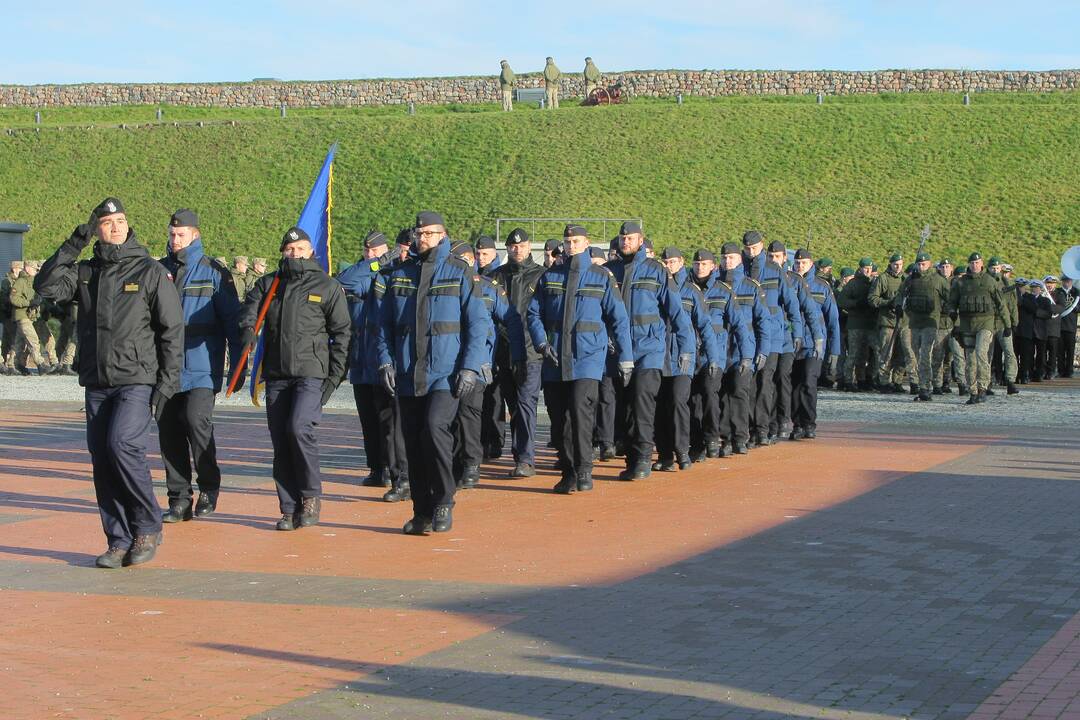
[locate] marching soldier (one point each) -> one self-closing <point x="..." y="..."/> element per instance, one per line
<point x="507" y="81"/>
<point x="306" y="337"/>
<point x="1068" y="327"/>
<point x="1011" y="318"/>
<point x="432" y="348"/>
<point x="950" y="347"/>
<point x="808" y="364"/>
<point x="240" y="272"/>
<point x="551" y="84"/>
<point x="883" y="298"/>
<point x="924" y="297"/>
<point x="211" y="311"/>
<point x="861" y="327"/>
<point x="654" y="307"/>
<point x="26" y="310"/>
<point x="10" y="329"/>
<point x="67" y="341"/>
<point x="573" y="315"/>
<point x="976" y="299"/>
<point x="132" y="332"/>
<point x="518" y="277"/>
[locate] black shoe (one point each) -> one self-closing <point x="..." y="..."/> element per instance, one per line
<point x="937" y="390"/>
<point x="111" y="558"/>
<point x="620" y="448"/>
<point x="914" y="390"/>
<point x="470" y="477"/>
<point x="25" y="371"/>
<point x="962" y="390"/>
<point x="664" y="466"/>
<point x="770" y="439"/>
<point x="522" y="470"/>
<point x="309" y="511"/>
<point x="492" y="453"/>
<point x="287" y="522"/>
<point x="981" y="397"/>
<point x="698" y="455"/>
<point x="712" y="449"/>
<point x="207" y="503"/>
<point x="796" y="434"/>
<point x="566" y="485"/>
<point x="143" y="549"/>
<point x="684" y="462"/>
<point x="741" y="448"/>
<point x="898" y="388"/>
<point x="417" y="525"/>
<point x="638" y="472"/>
<point x="925" y="396"/>
<point x="584" y="481"/>
<point x="809" y="433"/>
<point x="1012" y="390"/>
<point x="725" y="450"/>
<point x="400" y="491"/>
<point x="178" y="511"/>
<point x="377" y="478"/>
<point x="444" y="518"/>
<point x="973" y="400"/>
<point x="946" y="389"/>
<point x="917" y="398"/>
<point x="607" y="452"/>
<point x="990" y="392"/>
<point x="67" y="370"/>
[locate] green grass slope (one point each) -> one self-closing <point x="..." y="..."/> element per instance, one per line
<point x="863" y="174"/>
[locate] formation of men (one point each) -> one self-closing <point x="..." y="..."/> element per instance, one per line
<point x="551" y="76"/>
<point x="29" y="345"/>
<point x="663" y="362"/>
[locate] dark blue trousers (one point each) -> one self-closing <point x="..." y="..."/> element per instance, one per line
<point x="293" y="411"/>
<point x="429" y="444"/>
<point x="522" y="401"/>
<point x="117" y="431"/>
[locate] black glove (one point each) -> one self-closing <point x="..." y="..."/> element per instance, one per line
<point x="248" y="338"/>
<point x="744" y="365"/>
<point x="521" y="373"/>
<point x="157" y="404"/>
<point x="466" y="381"/>
<point x="81" y="235"/>
<point x="686" y="360"/>
<point x="713" y="370"/>
<point x="1007" y="332"/>
<point x="36" y="302"/>
<point x="328" y="388"/>
<point x="626" y="372"/>
<point x="759" y="361"/>
<point x="240" y="378"/>
<point x="549" y="354"/>
<point x="388" y="379"/>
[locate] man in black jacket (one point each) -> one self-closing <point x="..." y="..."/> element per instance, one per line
<point x="305" y="355"/>
<point x="131" y="334"/>
<point x="518" y="277"/>
<point x="1068" y="294"/>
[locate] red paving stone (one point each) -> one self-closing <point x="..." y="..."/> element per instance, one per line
<point x="72" y="656"/>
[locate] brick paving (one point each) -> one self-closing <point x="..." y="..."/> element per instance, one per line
<point x="879" y="572"/>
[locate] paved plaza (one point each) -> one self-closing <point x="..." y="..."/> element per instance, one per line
<point x="928" y="569"/>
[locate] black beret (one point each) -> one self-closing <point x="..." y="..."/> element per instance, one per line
<point x="573" y="230"/>
<point x="751" y="237"/>
<point x="803" y="254"/>
<point x="551" y="245"/>
<point x="374" y="239"/>
<point x="730" y="248"/>
<point x="109" y="206"/>
<point x="517" y="235"/>
<point x="777" y="246"/>
<point x="647" y="244"/>
<point x="423" y="219"/>
<point x="184" y="218"/>
<point x="672" y="252"/>
<point x="460" y="248"/>
<point x="597" y="253"/>
<point x="704" y="255"/>
<point x="407" y="236"/>
<point x="485" y="242"/>
<point x="629" y="227"/>
<point x="293" y="234"/>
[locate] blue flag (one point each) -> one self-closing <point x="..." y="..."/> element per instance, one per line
<point x="315" y="221"/>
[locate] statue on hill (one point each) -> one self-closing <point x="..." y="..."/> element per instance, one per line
<point x="507" y="80"/>
<point x="591" y="75"/>
<point x="551" y="84"/>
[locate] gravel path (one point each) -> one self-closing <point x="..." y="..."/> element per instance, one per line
<point x="1055" y="403"/>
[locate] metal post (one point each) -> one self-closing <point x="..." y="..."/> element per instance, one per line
<point x="412" y="108"/>
<point x="37" y="117"/>
<point x="967" y="99"/>
<point x="820" y="99"/>
<point x="282" y="109"/>
<point x="678" y="99"/>
<point x="541" y="103"/>
<point x="159" y="114"/>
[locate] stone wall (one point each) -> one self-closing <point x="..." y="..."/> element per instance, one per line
<point x="641" y="83"/>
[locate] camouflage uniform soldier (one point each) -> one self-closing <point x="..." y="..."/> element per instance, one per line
<point x="976" y="298"/>
<point x="507" y="80"/>
<point x="240" y="274"/>
<point x="861" y="324"/>
<point x="258" y="269"/>
<point x="66" y="342"/>
<point x="591" y="75"/>
<point x="883" y="296"/>
<point x="7" y="349"/>
<point x="923" y="297"/>
<point x="25" y="303"/>
<point x="950" y="350"/>
<point x="1010" y="320"/>
<point x="41" y="324"/>
<point x="551" y="84"/>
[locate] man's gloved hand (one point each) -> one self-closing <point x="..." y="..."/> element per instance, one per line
<point x="714" y="370"/>
<point x="487" y="375"/>
<point x="759" y="362"/>
<point x="819" y="348"/>
<point x="80" y="237"/>
<point x="521" y="372"/>
<point x="388" y="379"/>
<point x="248" y="338"/>
<point x="328" y="388"/>
<point x="798" y="343"/>
<point x="549" y="354"/>
<point x="686" y="361"/>
<point x="157" y="404"/>
<point x="744" y="365"/>
<point x="466" y="381"/>
<point x="832" y="367"/>
<point x="1007" y="332"/>
<point x="36" y="301"/>
<point x="626" y="372"/>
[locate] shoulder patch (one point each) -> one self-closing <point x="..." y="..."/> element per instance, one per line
<point x="374" y="265"/>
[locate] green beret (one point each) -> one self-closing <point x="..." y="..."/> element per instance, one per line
<point x="922" y="257"/>
<point x="944" y="261"/>
<point x="994" y="260"/>
<point x="974" y="256"/>
<point x="895" y="257"/>
<point x="846" y="272"/>
<point x="824" y="262"/>
<point x="866" y="262"/>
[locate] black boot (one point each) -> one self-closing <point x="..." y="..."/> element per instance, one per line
<point x="377" y="478"/>
<point x="725" y="450"/>
<point x="607" y="452"/>
<point x="988" y="391"/>
<point x="143" y="549"/>
<point x="400" y="491"/>
<point x="417" y="525"/>
<point x="584" y="481"/>
<point x="566" y="485"/>
<point x="1013" y="390"/>
<point x="309" y="511"/>
<point x="444" y="518"/>
<point x="796" y="434"/>
<point x="287" y="521"/>
<point x="524" y="470"/>
<point x="684" y="462"/>
<point x="470" y="477"/>
<point x="207" y="503"/>
<point x="637" y="472"/>
<point x="712" y="449"/>
<point x="973" y="400"/>
<point x="664" y="465"/>
<point x="179" y="510"/>
<point x="111" y="558"/>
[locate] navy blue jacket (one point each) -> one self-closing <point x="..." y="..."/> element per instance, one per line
<point x="211" y="316"/>
<point x="708" y="348"/>
<point x="505" y="320"/>
<point x="821" y="295"/>
<point x="578" y="331"/>
<point x="364" y="294"/>
<point x="750" y="304"/>
<point x="432" y="321"/>
<point x="780" y="299"/>
<point x="654" y="305"/>
<point x="813" y="325"/>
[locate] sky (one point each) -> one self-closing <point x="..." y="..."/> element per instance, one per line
<point x="200" y="41"/>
